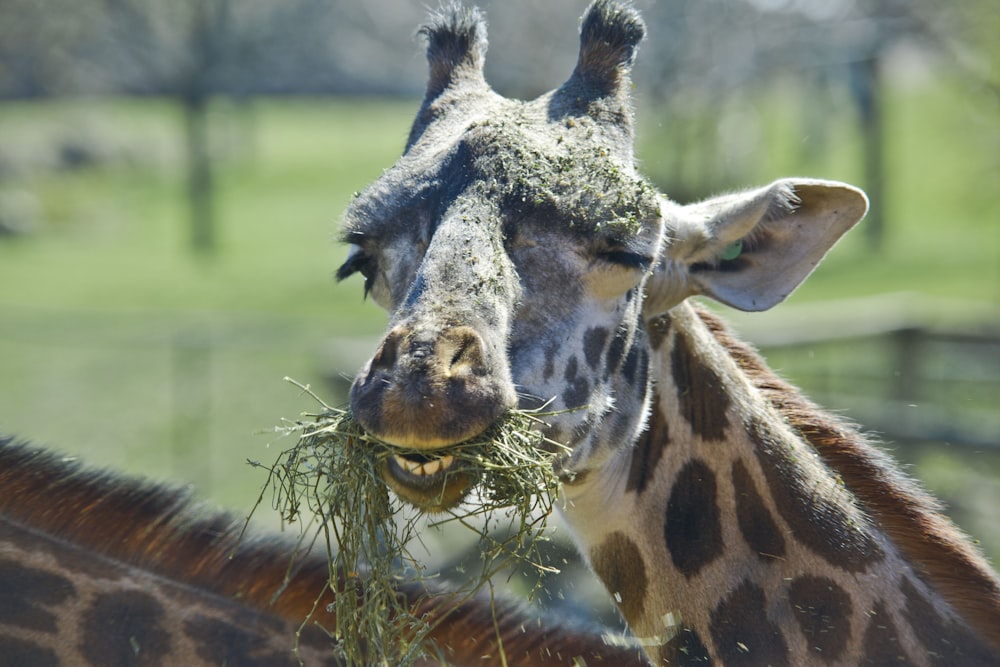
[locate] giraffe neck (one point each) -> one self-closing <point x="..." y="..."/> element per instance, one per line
<point x="104" y="570"/>
<point x="97" y="569"/>
<point x="68" y="606"/>
<point x="746" y="527"/>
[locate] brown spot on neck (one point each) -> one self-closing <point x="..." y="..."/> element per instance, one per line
<point x="742" y="632"/>
<point x="754" y="519"/>
<point x="701" y="396"/>
<point x="649" y="449"/>
<point x="593" y="345"/>
<point x="618" y="562"/>
<point x="881" y="647"/>
<point x="693" y="524"/>
<point x="25" y="592"/>
<point x="823" y="610"/>
<point x="658" y="329"/>
<point x="685" y="649"/>
<point x="133" y="614"/>
<point x="824" y="523"/>
<point x="946" y="642"/>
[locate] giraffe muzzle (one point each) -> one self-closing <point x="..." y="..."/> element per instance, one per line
<point x="428" y="392"/>
<point x="425" y="390"/>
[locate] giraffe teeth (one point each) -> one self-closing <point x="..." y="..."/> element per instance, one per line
<point x="424" y="469"/>
<point x="432" y="467"/>
<point x="406" y="464"/>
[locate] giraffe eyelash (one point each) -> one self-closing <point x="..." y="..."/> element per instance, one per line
<point x="359" y="262"/>
<point x="632" y="260"/>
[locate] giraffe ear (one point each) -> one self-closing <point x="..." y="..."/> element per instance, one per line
<point x="456" y="50"/>
<point x="456" y="46"/>
<point x="750" y="250"/>
<point x="609" y="38"/>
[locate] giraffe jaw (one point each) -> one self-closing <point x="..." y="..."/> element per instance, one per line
<point x="432" y="483"/>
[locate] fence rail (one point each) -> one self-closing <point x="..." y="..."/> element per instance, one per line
<point x="907" y="370"/>
<point x="182" y="386"/>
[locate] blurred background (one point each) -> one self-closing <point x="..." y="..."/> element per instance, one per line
<point x="172" y="175"/>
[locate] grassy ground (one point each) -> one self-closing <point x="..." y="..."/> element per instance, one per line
<point x="117" y="344"/>
<point x="286" y="173"/>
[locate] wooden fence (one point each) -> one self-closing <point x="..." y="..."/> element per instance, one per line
<point x="906" y="369"/>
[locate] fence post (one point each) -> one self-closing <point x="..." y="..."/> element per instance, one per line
<point x="907" y="374"/>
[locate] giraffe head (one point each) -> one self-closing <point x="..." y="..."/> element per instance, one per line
<point x="514" y="245"/>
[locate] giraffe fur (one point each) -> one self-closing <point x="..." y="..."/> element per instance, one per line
<point x="101" y="569"/>
<point x="731" y="521"/>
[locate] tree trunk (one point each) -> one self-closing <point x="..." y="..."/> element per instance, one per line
<point x="200" y="183"/>
<point x="868" y="89"/>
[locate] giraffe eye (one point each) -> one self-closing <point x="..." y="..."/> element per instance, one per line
<point x="616" y="270"/>
<point x="627" y="259"/>
<point x="731" y="251"/>
<point x="358" y="261"/>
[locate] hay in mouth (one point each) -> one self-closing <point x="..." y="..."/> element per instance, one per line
<point x="334" y="482"/>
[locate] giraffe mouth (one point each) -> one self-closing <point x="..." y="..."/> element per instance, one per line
<point x="422" y="465"/>
<point x="430" y="482"/>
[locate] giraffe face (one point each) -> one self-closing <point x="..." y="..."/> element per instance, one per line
<point x="518" y="252"/>
<point x="510" y="244"/>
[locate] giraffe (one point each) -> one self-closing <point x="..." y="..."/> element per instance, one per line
<point x="525" y="261"/>
<point x="105" y="570"/>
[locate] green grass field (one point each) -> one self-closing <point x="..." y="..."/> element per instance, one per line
<point x="99" y="307"/>
<point x="116" y="344"/>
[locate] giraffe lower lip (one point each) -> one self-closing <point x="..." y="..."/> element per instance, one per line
<point x="429" y="483"/>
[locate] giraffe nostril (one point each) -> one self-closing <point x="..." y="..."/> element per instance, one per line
<point x="461" y="351"/>
<point x="466" y="349"/>
<point x="421" y="349"/>
<point x="385" y="356"/>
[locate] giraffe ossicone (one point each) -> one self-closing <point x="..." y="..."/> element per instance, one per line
<point x="524" y="260"/>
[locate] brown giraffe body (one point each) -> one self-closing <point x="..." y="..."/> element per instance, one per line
<point x="105" y="571"/>
<point x="524" y="260"/>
